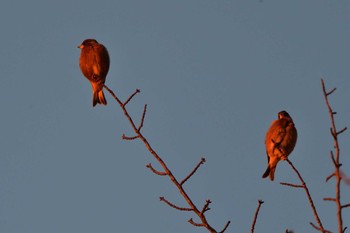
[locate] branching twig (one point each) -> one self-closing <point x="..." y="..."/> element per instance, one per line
<point x="137" y="131"/>
<point x="335" y="159"/>
<point x="308" y="195"/>
<point x="256" y="216"/>
<point x="206" y="206"/>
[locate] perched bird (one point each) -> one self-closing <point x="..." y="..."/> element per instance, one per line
<point x="279" y="142"/>
<point x="94" y="64"/>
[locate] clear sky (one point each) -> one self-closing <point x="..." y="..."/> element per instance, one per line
<point x="214" y="74"/>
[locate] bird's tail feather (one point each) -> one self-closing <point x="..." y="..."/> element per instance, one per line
<point x="99" y="98"/>
<point x="269" y="172"/>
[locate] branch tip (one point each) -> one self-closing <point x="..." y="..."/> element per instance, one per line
<point x="193" y="171"/>
<point x="155" y="171"/>
<point x="173" y="205"/>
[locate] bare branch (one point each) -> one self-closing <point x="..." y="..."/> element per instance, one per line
<point x="129" y="138"/>
<point x="308" y="195"/>
<point x="336" y="158"/>
<point x="155" y="171"/>
<point x="206" y="207"/>
<point x="143" y="118"/>
<point x="225" y="227"/>
<point x="345" y="206"/>
<point x="319" y="229"/>
<point x="333" y="159"/>
<point x="330" y="176"/>
<point x="174" y="206"/>
<point x="130" y="97"/>
<point x="329" y="199"/>
<point x="167" y="171"/>
<point x="256" y="215"/>
<point x="195" y="224"/>
<point x="193" y="171"/>
<point x="292" y="185"/>
<point x="342" y="131"/>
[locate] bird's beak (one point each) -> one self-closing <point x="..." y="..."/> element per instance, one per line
<point x="81" y="46"/>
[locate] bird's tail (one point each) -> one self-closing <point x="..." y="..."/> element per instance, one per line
<point x="98" y="98"/>
<point x="269" y="172"/>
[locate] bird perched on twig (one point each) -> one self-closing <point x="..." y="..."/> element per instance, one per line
<point x="280" y="140"/>
<point x="94" y="64"/>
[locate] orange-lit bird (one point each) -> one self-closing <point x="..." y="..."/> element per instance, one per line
<point x="279" y="142"/>
<point x="94" y="64"/>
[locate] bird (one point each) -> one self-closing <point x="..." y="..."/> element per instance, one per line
<point x="280" y="141"/>
<point x="94" y="64"/>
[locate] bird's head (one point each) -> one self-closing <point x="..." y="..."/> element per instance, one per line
<point x="285" y="115"/>
<point x="88" y="42"/>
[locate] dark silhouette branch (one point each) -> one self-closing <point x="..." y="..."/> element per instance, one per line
<point x="256" y="215"/>
<point x="192" y="207"/>
<point x="335" y="159"/>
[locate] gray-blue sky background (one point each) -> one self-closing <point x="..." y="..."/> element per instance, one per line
<point x="214" y="75"/>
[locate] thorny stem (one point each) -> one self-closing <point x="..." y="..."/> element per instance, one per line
<point x="136" y="129"/>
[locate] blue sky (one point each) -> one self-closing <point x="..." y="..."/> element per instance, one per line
<point x="214" y="75"/>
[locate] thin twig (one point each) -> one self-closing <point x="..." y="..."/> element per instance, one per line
<point x="130" y="97"/>
<point x="319" y="229"/>
<point x="292" y="185"/>
<point x="129" y="138"/>
<point x="308" y="195"/>
<point x="193" y="171"/>
<point x="143" y="117"/>
<point x="173" y="205"/>
<point x="256" y="215"/>
<point x="155" y="171"/>
<point x="330" y="176"/>
<point x="225" y="227"/>
<point x="329" y="199"/>
<point x="206" y="206"/>
<point x="195" y="224"/>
